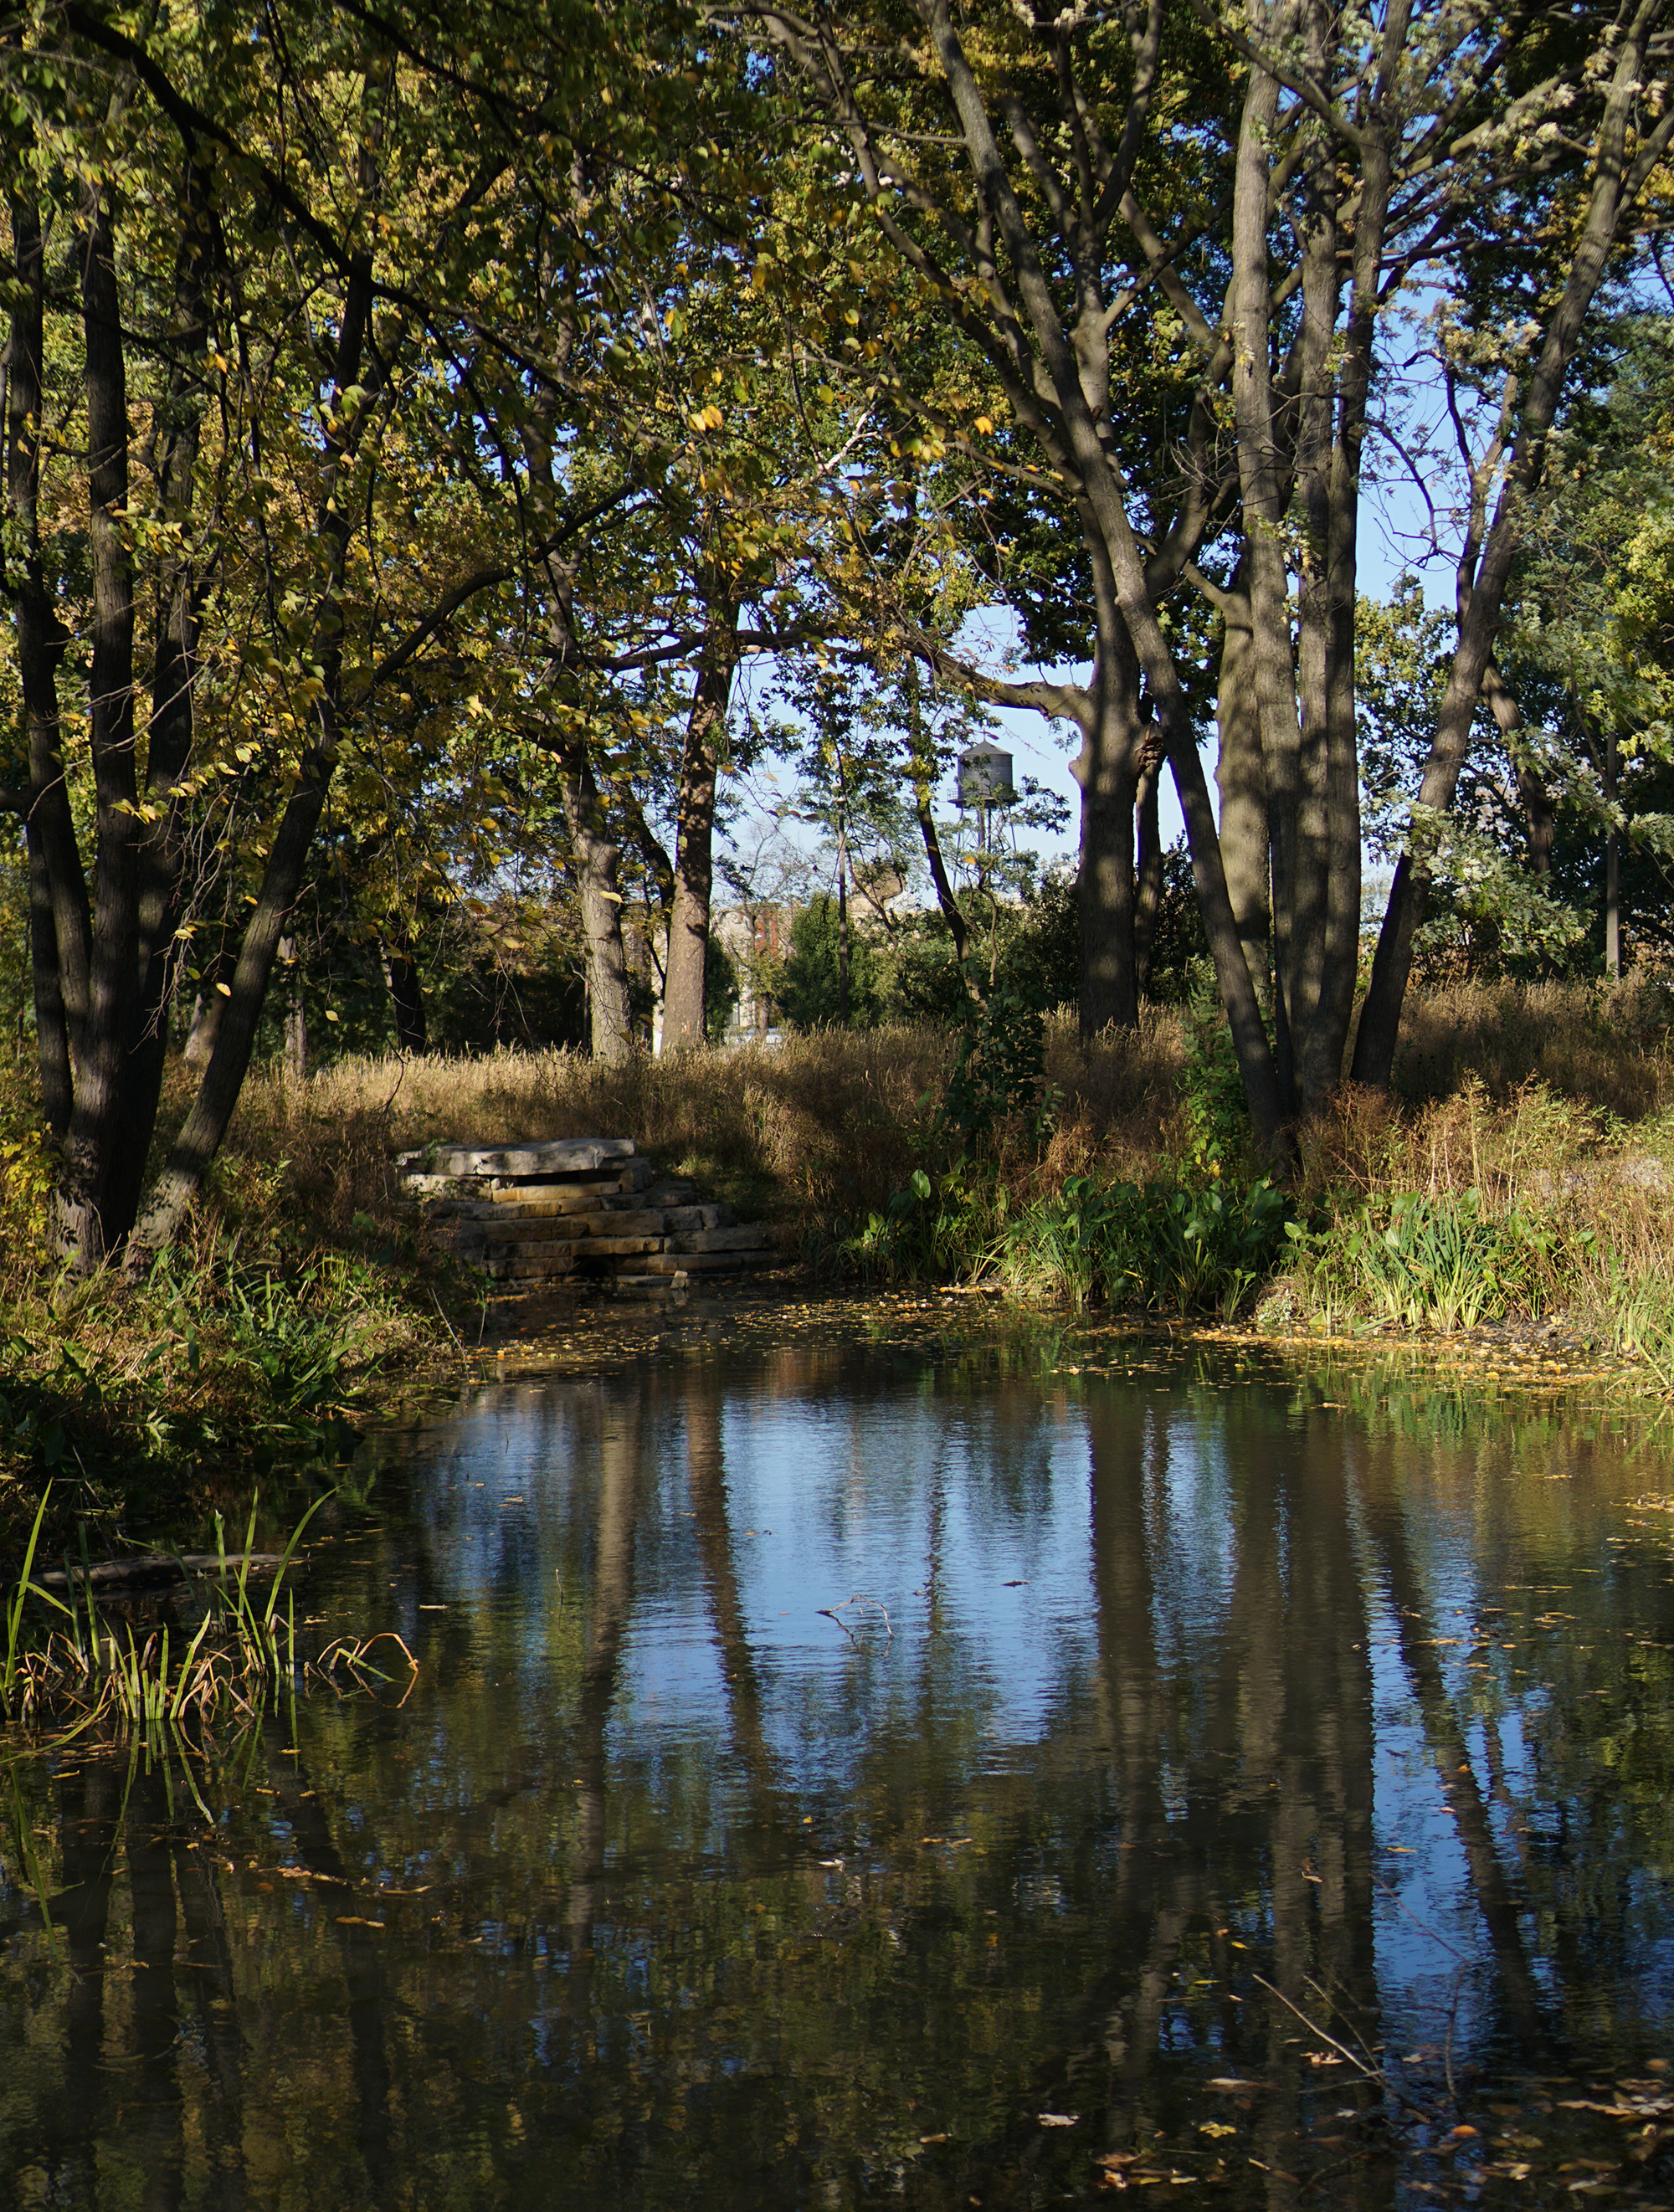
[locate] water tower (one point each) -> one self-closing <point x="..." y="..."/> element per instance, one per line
<point x="985" y="784"/>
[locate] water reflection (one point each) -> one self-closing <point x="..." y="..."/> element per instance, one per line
<point x="838" y="1772"/>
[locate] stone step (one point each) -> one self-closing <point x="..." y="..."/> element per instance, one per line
<point x="506" y="1227"/>
<point x="562" y="1155"/>
<point x="514" y="1208"/>
<point x="577" y="1191"/>
<point x="672" y="1190"/>
<point x="590" y="1256"/>
<point x="743" y="1236"/>
<point x="682" y="1218"/>
<point x="707" y="1263"/>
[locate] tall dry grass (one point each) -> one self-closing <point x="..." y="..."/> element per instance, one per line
<point x="1605" y="1046"/>
<point x="1588" y="1190"/>
<point x="820" y="1127"/>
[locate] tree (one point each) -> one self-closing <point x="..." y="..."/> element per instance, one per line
<point x="1246" y="193"/>
<point x="249" y="301"/>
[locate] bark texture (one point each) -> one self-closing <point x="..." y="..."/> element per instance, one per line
<point x="684" y="987"/>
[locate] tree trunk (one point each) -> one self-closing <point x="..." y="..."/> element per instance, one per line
<point x="921" y="774"/>
<point x="160" y="855"/>
<point x="296" y="1047"/>
<point x="1612" y="871"/>
<point x="1148" y="895"/>
<point x="406" y="999"/>
<point x="1243" y="785"/>
<point x="597" y="857"/>
<point x="206" y="1125"/>
<point x="1272" y="670"/>
<point x="843" y="922"/>
<point x="1107" y="770"/>
<point x="60" y="950"/>
<point x="684" y="1006"/>
<point x="81" y="1233"/>
<point x="597" y="868"/>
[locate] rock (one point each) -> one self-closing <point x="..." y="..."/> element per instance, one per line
<point x="564" y="1156"/>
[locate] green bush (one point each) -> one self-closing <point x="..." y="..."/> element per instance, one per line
<point x="1443" y="1263"/>
<point x="1155" y="1246"/>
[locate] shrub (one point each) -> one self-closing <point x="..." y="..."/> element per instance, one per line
<point x="1159" y="1248"/>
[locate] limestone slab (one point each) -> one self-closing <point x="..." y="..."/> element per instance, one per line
<point x="746" y="1237"/>
<point x="560" y="1156"/>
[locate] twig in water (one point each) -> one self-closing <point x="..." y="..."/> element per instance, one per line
<point x="448" y="1325"/>
<point x="1447" y="2048"/>
<point x="1370" y="2073"/>
<point x="836" y="1612"/>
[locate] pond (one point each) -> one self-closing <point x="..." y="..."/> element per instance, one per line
<point x="848" y="1764"/>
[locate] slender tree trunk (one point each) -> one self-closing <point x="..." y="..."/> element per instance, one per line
<point x="82" y="1234"/>
<point x="1107" y="769"/>
<point x="162" y="853"/>
<point x="685" y="1005"/>
<point x="282" y="879"/>
<point x="60" y="947"/>
<point x="1148" y="895"/>
<point x="1317" y="1043"/>
<point x="921" y="771"/>
<point x="843" y="920"/>
<point x="1272" y="668"/>
<point x="1243" y="784"/>
<point x="597" y="857"/>
<point x="1539" y="813"/>
<point x="598" y="866"/>
<point x="406" y="999"/>
<point x="296" y="1051"/>
<point x="1612" y="871"/>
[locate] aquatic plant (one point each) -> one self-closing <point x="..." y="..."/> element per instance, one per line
<point x="1156" y="1247"/>
<point x="1442" y="1262"/>
<point x="154" y="1677"/>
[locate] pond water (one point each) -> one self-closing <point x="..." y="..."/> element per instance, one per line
<point x="844" y="1765"/>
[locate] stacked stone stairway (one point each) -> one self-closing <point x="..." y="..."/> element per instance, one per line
<point x="580" y="1209"/>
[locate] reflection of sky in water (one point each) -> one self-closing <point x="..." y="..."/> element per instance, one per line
<point x="892" y="1505"/>
<point x="967" y="1521"/>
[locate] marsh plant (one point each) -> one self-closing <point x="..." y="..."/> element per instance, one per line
<point x="1444" y="1262"/>
<point x="1152" y="1248"/>
<point x="70" y="1666"/>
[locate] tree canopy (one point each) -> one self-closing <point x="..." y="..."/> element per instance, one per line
<point x="446" y="449"/>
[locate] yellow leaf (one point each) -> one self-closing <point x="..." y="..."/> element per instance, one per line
<point x="984" y="428"/>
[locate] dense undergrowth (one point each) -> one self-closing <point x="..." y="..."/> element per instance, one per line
<point x="1523" y="1168"/>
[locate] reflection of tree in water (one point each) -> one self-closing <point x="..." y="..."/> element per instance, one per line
<point x="537" y="1940"/>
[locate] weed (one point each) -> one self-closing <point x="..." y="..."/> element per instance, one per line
<point x="1158" y="1247"/>
<point x="150" y="1680"/>
<point x="1441" y="1262"/>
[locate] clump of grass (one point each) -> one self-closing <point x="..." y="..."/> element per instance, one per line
<point x="1152" y="1248"/>
<point x="1444" y="1263"/>
<point x="249" y="1360"/>
<point x="149" y="1682"/>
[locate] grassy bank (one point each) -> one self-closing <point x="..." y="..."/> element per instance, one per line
<point x="1523" y="1170"/>
<point x="1522" y="1167"/>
